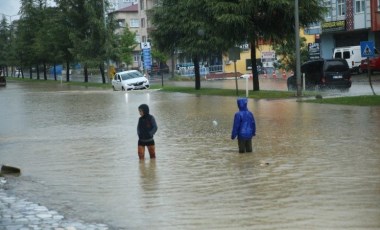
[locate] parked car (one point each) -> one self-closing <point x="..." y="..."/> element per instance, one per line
<point x="129" y="80"/>
<point x="374" y="63"/>
<point x="353" y="56"/>
<point x="323" y="74"/>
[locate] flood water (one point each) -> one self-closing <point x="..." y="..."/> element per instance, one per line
<point x="313" y="166"/>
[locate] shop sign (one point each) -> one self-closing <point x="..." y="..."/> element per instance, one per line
<point x="334" y="26"/>
<point x="314" y="51"/>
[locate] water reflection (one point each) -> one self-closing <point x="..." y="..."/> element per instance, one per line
<point x="78" y="153"/>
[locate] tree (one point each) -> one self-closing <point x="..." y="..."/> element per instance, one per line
<point x="127" y="45"/>
<point x="87" y="32"/>
<point x="27" y="28"/>
<point x="285" y="51"/>
<point x="44" y="42"/>
<point x="186" y="26"/>
<point x="4" y="43"/>
<point x="268" y="19"/>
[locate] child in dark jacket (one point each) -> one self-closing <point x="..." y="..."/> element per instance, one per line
<point x="244" y="127"/>
<point x="146" y="128"/>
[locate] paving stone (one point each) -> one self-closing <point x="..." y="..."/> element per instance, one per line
<point x="20" y="214"/>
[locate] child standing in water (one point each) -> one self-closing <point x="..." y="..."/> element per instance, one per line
<point x="244" y="127"/>
<point x="146" y="128"/>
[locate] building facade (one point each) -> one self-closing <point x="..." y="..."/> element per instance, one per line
<point x="131" y="14"/>
<point x="347" y="23"/>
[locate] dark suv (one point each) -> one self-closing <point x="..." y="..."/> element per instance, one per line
<point x="324" y="74"/>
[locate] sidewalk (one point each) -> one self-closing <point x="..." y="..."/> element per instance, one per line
<point x="20" y="214"/>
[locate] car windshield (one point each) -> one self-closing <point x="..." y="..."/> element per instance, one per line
<point x="131" y="75"/>
<point x="336" y="66"/>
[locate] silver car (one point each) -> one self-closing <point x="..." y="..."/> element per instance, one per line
<point x="129" y="80"/>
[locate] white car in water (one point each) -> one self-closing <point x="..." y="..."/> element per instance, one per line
<point x="129" y="80"/>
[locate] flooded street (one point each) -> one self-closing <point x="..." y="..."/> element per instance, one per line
<point x="313" y="166"/>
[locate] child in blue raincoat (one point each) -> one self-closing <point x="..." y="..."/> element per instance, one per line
<point x="244" y="127"/>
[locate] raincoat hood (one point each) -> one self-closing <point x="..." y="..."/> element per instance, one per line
<point x="242" y="104"/>
<point x="144" y="108"/>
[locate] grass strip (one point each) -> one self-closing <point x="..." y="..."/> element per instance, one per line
<point x="366" y="100"/>
<point x="262" y="94"/>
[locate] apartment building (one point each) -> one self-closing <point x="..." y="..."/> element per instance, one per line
<point x="131" y="14"/>
<point x="347" y="23"/>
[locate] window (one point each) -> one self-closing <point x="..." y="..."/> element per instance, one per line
<point x="141" y="4"/>
<point x="142" y="22"/>
<point x="121" y="23"/>
<point x="137" y="38"/>
<point x="378" y="5"/>
<point x="346" y="54"/>
<point x="134" y="23"/>
<point x="327" y="4"/>
<point x="341" y="8"/>
<point x="136" y="57"/>
<point x="359" y="6"/>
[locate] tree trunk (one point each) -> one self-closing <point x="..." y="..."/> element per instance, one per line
<point x="101" y="68"/>
<point x="38" y="72"/>
<point x="67" y="71"/>
<point x="172" y="64"/>
<point x="197" y="73"/>
<point x="45" y="75"/>
<point x="85" y="73"/>
<point x="255" y="75"/>
<point x="55" y="72"/>
<point x="30" y="72"/>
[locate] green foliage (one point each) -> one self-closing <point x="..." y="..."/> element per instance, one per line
<point x="158" y="55"/>
<point x="285" y="50"/>
<point x="200" y="27"/>
<point x="4" y="41"/>
<point x="127" y="45"/>
<point x="187" y="27"/>
<point x="271" y="20"/>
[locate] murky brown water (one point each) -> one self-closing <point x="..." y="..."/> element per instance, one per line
<point x="77" y="149"/>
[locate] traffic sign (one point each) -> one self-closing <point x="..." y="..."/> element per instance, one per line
<point x="147" y="58"/>
<point x="145" y="45"/>
<point x="367" y="49"/>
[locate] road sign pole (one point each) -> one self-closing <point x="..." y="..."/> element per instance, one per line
<point x="367" y="49"/>
<point x="369" y="76"/>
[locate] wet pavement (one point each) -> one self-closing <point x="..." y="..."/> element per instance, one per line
<point x="313" y="166"/>
<point x="21" y="214"/>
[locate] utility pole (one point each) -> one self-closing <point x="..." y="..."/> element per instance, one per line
<point x="106" y="41"/>
<point x="298" y="56"/>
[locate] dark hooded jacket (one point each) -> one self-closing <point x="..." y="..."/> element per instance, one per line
<point x="147" y="127"/>
<point x="244" y="122"/>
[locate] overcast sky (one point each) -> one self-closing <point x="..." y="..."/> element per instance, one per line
<point x="9" y="7"/>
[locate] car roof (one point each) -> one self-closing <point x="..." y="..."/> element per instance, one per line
<point x="309" y="65"/>
<point x="127" y="71"/>
<point x="324" y="60"/>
